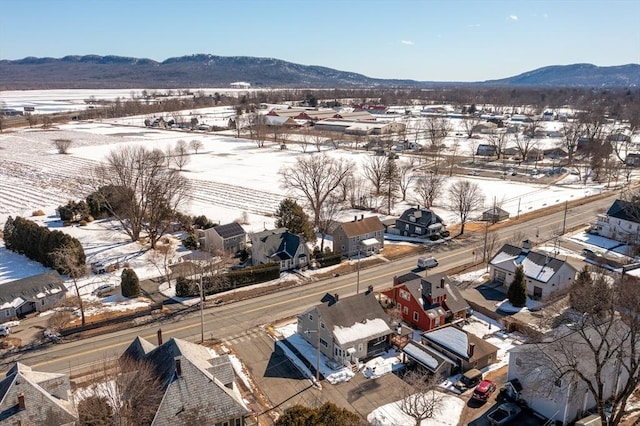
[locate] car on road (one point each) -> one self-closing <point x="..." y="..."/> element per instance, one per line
<point x="4" y="331"/>
<point x="484" y="390"/>
<point x="427" y="262"/>
<point x="504" y="414"/>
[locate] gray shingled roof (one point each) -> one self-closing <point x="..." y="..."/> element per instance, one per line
<point x="362" y="226"/>
<point x="28" y="288"/>
<point x="427" y="217"/>
<point x="202" y="384"/>
<point x="350" y="310"/>
<point x="229" y="230"/>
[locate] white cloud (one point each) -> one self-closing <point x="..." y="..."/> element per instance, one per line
<point x="513" y="17"/>
<point x="407" y="42"/>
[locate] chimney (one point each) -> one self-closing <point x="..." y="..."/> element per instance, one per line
<point x="159" y="336"/>
<point x="526" y="246"/>
<point x="21" y="405"/>
<point x="355" y="218"/>
<point x="441" y="282"/>
<point x="369" y="289"/>
<point x="178" y="367"/>
<point x="361" y="217"/>
<point x="336" y="296"/>
<point x="471" y="350"/>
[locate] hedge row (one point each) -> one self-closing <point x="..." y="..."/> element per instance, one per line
<point x="328" y="259"/>
<point x="235" y="279"/>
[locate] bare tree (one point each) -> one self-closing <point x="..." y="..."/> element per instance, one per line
<point x="470" y="124"/>
<point x="163" y="257"/>
<point x="328" y="213"/>
<point x="429" y="186"/>
<point x="66" y="261"/>
<point x="420" y="400"/>
<point x="62" y="145"/>
<point x="498" y="141"/>
<point x="318" y="139"/>
<point x="315" y="177"/>
<point x="180" y="154"/>
<point x="195" y="145"/>
<point x="152" y="191"/>
<point x="258" y="128"/>
<point x="436" y="130"/>
<point x="374" y="170"/>
<point x="132" y="389"/>
<point x="596" y="352"/>
<point x="304" y="139"/>
<point x="405" y="179"/>
<point x="390" y="182"/>
<point x="571" y="133"/>
<point x="464" y="198"/>
<point x="524" y="145"/>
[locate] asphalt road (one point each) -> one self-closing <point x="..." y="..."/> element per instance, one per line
<point x="242" y="318"/>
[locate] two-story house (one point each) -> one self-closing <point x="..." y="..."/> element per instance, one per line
<point x="620" y="223"/>
<point x="347" y="330"/>
<point x="427" y="303"/>
<point x="419" y="222"/>
<point x="280" y="246"/>
<point x="544" y="273"/>
<point x="229" y="238"/>
<point x="364" y="236"/>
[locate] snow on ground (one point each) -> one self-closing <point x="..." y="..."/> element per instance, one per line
<point x="506" y="306"/>
<point x="447" y="414"/>
<point x="14" y="266"/>
<point x="382" y="364"/>
<point x="595" y="240"/>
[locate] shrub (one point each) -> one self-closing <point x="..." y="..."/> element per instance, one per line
<point x="191" y="242"/>
<point x="37" y="213"/>
<point x="517" y="292"/>
<point x="83" y="223"/>
<point x="328" y="258"/>
<point x="184" y="287"/>
<point x="434" y="237"/>
<point x="130" y="283"/>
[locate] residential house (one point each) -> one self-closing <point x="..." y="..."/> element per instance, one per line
<point x="347" y="330"/>
<point x="193" y="381"/>
<point x="544" y="273"/>
<point x="549" y="385"/>
<point x="427" y="303"/>
<point x="466" y="350"/>
<point x="229" y="238"/>
<point x="429" y="359"/>
<point x="494" y="215"/>
<point x="360" y="236"/>
<point x="37" y="293"/>
<point x="279" y="246"/>
<point x="30" y="397"/>
<point x="419" y="222"/>
<point x="485" y="150"/>
<point x="359" y="127"/>
<point x="620" y="223"/>
<point x="632" y="159"/>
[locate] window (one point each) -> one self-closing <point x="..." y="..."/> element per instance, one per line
<point x="406" y="310"/>
<point x="321" y="325"/>
<point x="418" y="230"/>
<point x="438" y="321"/>
<point x="405" y="295"/>
<point x="360" y="347"/>
<point x="310" y="317"/>
<point x="415" y="315"/>
<point x="406" y="227"/>
<point x="324" y="343"/>
<point x="518" y="362"/>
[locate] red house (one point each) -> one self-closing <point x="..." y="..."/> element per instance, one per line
<point x="427" y="303"/>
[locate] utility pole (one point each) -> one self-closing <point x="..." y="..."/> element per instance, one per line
<point x="564" y="219"/>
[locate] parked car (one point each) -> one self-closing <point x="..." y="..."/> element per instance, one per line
<point x="484" y="390"/>
<point x="469" y="379"/>
<point x="104" y="288"/>
<point x="504" y="414"/>
<point x="427" y="262"/>
<point x="4" y="331"/>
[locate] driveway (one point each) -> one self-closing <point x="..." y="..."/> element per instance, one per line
<point x="283" y="386"/>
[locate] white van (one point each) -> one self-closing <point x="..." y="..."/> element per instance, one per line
<point x="427" y="262"/>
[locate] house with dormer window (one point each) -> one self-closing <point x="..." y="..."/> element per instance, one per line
<point x="620" y="223"/>
<point x="279" y="246"/>
<point x="419" y="222"/>
<point x="544" y="273"/>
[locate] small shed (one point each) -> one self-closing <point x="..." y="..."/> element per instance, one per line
<point x="495" y="214"/>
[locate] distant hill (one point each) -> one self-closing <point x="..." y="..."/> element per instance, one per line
<point x="93" y="71"/>
<point x="576" y="75"/>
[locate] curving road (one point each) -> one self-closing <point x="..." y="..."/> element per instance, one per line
<point x="242" y="318"/>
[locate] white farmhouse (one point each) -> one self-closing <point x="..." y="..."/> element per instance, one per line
<point x="620" y="223"/>
<point x="544" y="274"/>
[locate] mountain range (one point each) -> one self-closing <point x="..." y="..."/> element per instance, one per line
<point x="203" y="70"/>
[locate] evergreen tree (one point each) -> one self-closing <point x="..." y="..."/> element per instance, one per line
<point x="290" y="215"/>
<point x="581" y="283"/>
<point x="9" y="233"/>
<point x="517" y="292"/>
<point x="327" y="414"/>
<point x="129" y="283"/>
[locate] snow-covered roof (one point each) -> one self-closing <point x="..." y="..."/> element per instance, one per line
<point x="425" y="355"/>
<point x="370" y="242"/>
<point x="451" y="338"/>
<point x="15" y="303"/>
<point x="361" y="330"/>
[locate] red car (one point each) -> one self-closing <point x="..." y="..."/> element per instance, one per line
<point x="483" y="391"/>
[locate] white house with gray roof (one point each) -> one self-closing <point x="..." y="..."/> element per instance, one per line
<point x="37" y="293"/>
<point x="279" y="246"/>
<point x="347" y="330"/>
<point x="229" y="238"/>
<point x="544" y="273"/>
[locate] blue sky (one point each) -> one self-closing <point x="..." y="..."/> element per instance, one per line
<point x="463" y="40"/>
